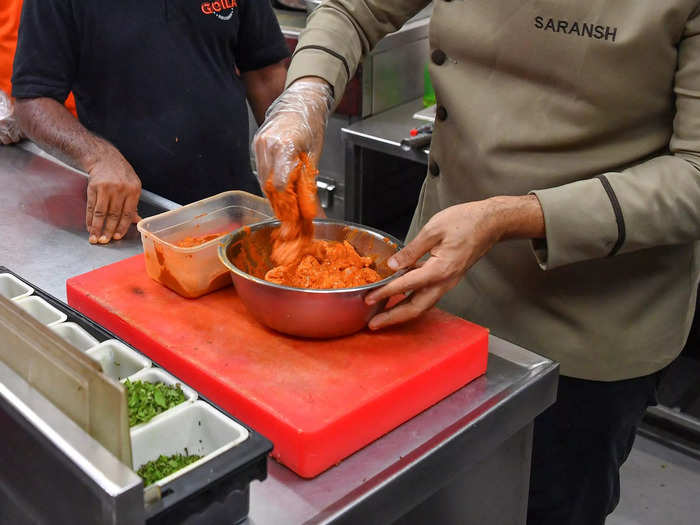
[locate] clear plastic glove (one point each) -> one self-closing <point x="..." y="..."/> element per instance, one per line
<point x="294" y="123"/>
<point x="9" y="129"/>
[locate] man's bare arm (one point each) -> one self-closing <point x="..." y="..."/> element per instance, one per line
<point x="263" y="86"/>
<point x="113" y="186"/>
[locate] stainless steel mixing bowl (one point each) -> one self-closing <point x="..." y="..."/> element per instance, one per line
<point x="297" y="311"/>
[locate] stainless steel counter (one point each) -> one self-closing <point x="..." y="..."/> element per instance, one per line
<point x="452" y="459"/>
<point x="383" y="132"/>
<point x="42" y="220"/>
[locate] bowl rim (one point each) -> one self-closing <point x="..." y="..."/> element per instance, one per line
<point x="225" y="242"/>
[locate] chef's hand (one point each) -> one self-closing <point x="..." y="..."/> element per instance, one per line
<point x="9" y="129"/>
<point x="112" y="197"/>
<point x="455" y="239"/>
<point x="295" y="122"/>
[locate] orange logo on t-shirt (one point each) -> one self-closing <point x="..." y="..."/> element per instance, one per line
<point x="215" y="7"/>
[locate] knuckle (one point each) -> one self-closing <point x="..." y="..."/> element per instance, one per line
<point x="106" y="185"/>
<point x="442" y="266"/>
<point x="407" y="254"/>
<point x="412" y="310"/>
<point x="429" y="227"/>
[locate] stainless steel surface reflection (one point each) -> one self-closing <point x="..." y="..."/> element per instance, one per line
<point x="302" y="312"/>
<point x="42" y="222"/>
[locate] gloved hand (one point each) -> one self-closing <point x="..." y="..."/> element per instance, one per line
<point x="294" y="123"/>
<point x="9" y="129"/>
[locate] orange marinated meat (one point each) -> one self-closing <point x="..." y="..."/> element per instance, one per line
<point x="303" y="262"/>
<point x="295" y="207"/>
<point x="333" y="265"/>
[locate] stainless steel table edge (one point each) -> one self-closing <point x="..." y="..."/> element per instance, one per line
<point x="424" y="471"/>
<point x="147" y="197"/>
<point x="362" y="139"/>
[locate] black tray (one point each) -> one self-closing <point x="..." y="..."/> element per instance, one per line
<point x="194" y="497"/>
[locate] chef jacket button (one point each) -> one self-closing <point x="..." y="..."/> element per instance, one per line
<point x="441" y="113"/>
<point x="433" y="168"/>
<point x="438" y="57"/>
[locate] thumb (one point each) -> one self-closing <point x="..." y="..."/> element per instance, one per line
<point x="413" y="251"/>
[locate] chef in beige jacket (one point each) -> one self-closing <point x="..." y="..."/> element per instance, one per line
<point x="561" y="207"/>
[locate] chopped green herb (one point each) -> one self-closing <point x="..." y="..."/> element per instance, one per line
<point x="164" y="466"/>
<point x="146" y="400"/>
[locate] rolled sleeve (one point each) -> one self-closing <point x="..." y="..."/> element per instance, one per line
<point x="311" y="62"/>
<point x="330" y="48"/>
<point x="591" y="232"/>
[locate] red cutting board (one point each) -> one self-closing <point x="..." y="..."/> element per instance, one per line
<point x="317" y="401"/>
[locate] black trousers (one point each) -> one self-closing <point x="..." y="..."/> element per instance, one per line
<point x="579" y="445"/>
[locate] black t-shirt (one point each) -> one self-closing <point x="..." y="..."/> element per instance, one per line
<point x="157" y="79"/>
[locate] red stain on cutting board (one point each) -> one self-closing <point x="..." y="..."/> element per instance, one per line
<point x="317" y="401"/>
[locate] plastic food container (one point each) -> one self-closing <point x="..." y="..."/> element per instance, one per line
<point x="75" y="335"/>
<point x="196" y="270"/>
<point x="41" y="310"/>
<point x="118" y="360"/>
<point x="13" y="288"/>
<point x="195" y="429"/>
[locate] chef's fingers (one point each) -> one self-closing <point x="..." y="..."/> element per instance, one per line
<point x="426" y="239"/>
<point x="428" y="274"/>
<point x="263" y="158"/>
<point x="90" y="207"/>
<point x="99" y="215"/>
<point x="129" y="215"/>
<point x="411" y="308"/>
<point x="114" y="214"/>
<point x="306" y="193"/>
<point x="276" y="153"/>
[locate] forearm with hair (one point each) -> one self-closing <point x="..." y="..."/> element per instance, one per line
<point x="58" y="132"/>
<point x="517" y="217"/>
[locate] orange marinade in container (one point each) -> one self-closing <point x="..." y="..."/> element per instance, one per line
<point x="302" y="261"/>
<point x="191" y="242"/>
<point x="181" y="247"/>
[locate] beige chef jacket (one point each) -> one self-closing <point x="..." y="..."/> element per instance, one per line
<point x="593" y="106"/>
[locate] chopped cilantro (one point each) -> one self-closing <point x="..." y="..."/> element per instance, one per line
<point x="164" y="466"/>
<point x="146" y="400"/>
